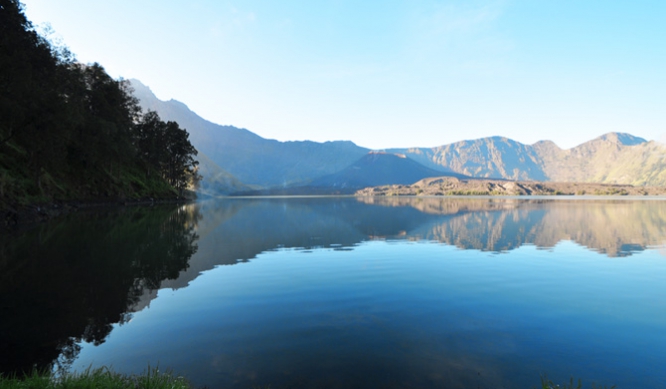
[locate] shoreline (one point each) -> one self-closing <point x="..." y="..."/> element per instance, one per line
<point x="451" y="186"/>
<point x="14" y="219"/>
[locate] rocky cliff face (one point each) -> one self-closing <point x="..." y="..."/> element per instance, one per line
<point x="494" y="157"/>
<point x="613" y="158"/>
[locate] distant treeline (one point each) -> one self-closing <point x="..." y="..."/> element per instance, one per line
<point x="69" y="131"/>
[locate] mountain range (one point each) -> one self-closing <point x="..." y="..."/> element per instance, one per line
<point x="380" y="168"/>
<point x="237" y="160"/>
<point x="613" y="158"/>
<point x="255" y="161"/>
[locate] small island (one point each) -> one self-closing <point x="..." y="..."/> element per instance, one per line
<point x="452" y="186"/>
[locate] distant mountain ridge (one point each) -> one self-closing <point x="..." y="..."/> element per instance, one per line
<point x="496" y="157"/>
<point x="249" y="157"/>
<point x="216" y="180"/>
<point x="380" y="168"/>
<point x="613" y="158"/>
<point x="242" y="159"/>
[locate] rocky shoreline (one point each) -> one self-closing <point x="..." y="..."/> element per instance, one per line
<point x="451" y="186"/>
<point x="19" y="217"/>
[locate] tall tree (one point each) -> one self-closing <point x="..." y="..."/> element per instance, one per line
<point x="165" y="148"/>
<point x="32" y="108"/>
<point x="74" y="127"/>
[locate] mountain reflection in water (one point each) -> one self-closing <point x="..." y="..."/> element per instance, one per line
<point x="244" y="228"/>
<point x="70" y="281"/>
<point x="611" y="227"/>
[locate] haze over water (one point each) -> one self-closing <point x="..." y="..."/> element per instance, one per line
<point x="346" y="292"/>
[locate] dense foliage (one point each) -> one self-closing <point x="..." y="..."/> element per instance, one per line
<point x="70" y="131"/>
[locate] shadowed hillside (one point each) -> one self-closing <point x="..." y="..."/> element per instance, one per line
<point x="380" y="169"/>
<point x="249" y="157"/>
<point x="217" y="181"/>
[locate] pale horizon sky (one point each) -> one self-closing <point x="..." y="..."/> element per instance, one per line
<point x="387" y="74"/>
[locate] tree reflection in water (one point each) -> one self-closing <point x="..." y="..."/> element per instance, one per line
<point x="70" y="281"/>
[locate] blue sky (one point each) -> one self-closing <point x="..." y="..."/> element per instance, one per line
<point x="387" y="73"/>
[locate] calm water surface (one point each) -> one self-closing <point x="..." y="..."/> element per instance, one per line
<point x="346" y="293"/>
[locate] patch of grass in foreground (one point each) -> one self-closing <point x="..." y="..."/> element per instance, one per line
<point x="101" y="378"/>
<point x="548" y="384"/>
<point x="104" y="378"/>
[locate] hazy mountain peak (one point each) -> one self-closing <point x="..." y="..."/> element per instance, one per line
<point x="381" y="152"/>
<point x="149" y="100"/>
<point x="176" y="102"/>
<point x="488" y="140"/>
<point x="548" y="143"/>
<point x="141" y="91"/>
<point x="253" y="160"/>
<point x="622" y="138"/>
<point x="379" y="168"/>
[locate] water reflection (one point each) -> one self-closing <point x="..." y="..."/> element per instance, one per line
<point x="431" y="293"/>
<point x="611" y="227"/>
<point x="237" y="230"/>
<point x="66" y="282"/>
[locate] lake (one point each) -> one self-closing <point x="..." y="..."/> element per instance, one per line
<point x="346" y="292"/>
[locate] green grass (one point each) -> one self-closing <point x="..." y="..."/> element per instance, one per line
<point x="548" y="384"/>
<point x="102" y="378"/>
<point x="153" y="378"/>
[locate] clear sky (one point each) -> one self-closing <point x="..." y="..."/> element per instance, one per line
<point x="387" y="73"/>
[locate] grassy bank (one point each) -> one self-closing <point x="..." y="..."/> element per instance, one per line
<point x="101" y="378"/>
<point x="153" y="378"/>
<point x="548" y="384"/>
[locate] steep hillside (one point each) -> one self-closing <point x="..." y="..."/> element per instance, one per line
<point x="215" y="180"/>
<point x="644" y="164"/>
<point x="378" y="168"/>
<point x="249" y="157"/>
<point x="494" y="157"/>
<point x="614" y="158"/>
